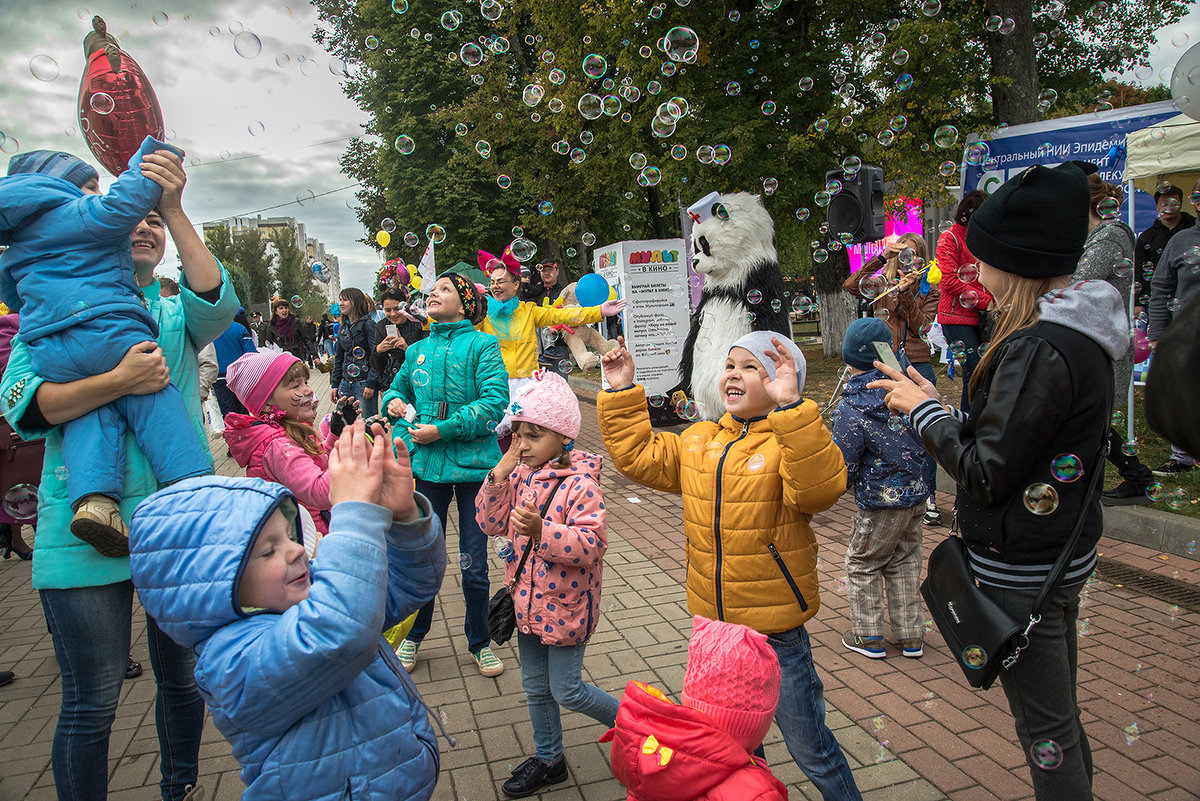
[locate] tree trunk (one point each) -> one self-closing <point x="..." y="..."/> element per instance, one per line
<point x="837" y="307"/>
<point x="1015" y="99"/>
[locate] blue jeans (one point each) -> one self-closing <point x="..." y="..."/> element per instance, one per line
<point x="930" y="471"/>
<point x="552" y="676"/>
<point x="473" y="560"/>
<point x="801" y="718"/>
<point x="969" y="336"/>
<point x="1040" y="689"/>
<point x="367" y="407"/>
<point x="90" y="627"/>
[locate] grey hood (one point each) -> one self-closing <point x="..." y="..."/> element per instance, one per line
<point x="1094" y="309"/>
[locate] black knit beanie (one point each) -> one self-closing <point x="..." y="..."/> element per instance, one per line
<point x="1035" y="224"/>
<point x="474" y="307"/>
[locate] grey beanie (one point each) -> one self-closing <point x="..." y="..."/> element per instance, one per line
<point x="759" y="342"/>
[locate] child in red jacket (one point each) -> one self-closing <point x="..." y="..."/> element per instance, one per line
<point x="704" y="749"/>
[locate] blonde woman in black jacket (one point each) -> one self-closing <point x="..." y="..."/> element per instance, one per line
<point x="1039" y="410"/>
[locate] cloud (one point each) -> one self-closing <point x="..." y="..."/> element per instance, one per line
<point x="211" y="98"/>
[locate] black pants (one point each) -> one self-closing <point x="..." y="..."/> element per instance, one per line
<point x="1130" y="467"/>
<point x="226" y="400"/>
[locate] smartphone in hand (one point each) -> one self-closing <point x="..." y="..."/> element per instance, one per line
<point x="883" y="350"/>
<point x="392" y="331"/>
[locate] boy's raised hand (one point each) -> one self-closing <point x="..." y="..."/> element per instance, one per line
<point x="396" y="491"/>
<point x="785" y="388"/>
<point x="356" y="466"/>
<point x="617" y="365"/>
<point x="165" y="168"/>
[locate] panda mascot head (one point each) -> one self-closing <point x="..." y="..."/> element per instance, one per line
<point x="733" y="247"/>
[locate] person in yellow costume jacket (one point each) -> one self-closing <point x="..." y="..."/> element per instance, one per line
<point x="515" y="322"/>
<point x="751" y="483"/>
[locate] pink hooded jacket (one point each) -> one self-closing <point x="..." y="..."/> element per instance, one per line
<point x="267" y="452"/>
<point x="557" y="596"/>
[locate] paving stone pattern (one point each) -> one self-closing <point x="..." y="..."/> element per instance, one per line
<point x="911" y="728"/>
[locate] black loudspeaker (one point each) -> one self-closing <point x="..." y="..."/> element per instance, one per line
<point x="858" y="208"/>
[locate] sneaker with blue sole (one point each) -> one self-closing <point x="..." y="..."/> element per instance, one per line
<point x="867" y="646"/>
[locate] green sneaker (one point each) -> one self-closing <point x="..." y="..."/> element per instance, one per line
<point x="488" y="663"/>
<point x="406" y="652"/>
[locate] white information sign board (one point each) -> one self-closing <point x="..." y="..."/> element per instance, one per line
<point x="652" y="276"/>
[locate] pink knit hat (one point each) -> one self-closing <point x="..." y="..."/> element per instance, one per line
<point x="547" y="401"/>
<point x="733" y="677"/>
<point x="253" y="377"/>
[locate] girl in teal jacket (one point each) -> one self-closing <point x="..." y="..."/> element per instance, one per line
<point x="451" y="393"/>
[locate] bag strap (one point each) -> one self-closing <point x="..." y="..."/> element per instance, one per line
<point x="1060" y="564"/>
<point x="545" y="505"/>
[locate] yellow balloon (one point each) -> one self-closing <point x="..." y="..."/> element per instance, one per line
<point x="612" y="293"/>
<point x="415" y="283"/>
<point x="383" y="238"/>
<point x="412" y="269"/>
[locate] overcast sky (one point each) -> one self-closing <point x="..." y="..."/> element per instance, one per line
<point x="276" y="107"/>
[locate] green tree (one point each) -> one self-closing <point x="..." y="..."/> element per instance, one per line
<point x="293" y="276"/>
<point x="249" y="252"/>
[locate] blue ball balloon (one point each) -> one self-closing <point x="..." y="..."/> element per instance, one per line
<point x="335" y="308"/>
<point x="591" y="290"/>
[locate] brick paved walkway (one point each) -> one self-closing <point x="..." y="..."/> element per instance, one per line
<point x="911" y="729"/>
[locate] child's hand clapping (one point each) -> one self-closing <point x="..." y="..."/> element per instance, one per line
<point x="396" y="491"/>
<point x="356" y="466"/>
<point x="617" y="365"/>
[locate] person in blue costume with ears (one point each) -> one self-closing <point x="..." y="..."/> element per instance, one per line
<point x="290" y="654"/>
<point x="63" y="235"/>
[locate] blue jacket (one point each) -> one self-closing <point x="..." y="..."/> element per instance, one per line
<point x="884" y="457"/>
<point x="311" y="699"/>
<point x="457" y="380"/>
<point x="61" y="241"/>
<point x="232" y="343"/>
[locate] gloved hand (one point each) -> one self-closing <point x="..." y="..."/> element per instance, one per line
<point x="344" y="413"/>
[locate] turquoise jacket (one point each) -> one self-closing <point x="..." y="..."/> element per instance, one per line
<point x="311" y="699"/>
<point x="456" y="379"/>
<point x="186" y="323"/>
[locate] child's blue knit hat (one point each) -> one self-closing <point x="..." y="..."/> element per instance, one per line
<point x="55" y="164"/>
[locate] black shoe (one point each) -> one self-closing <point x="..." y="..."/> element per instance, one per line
<point x="533" y="774"/>
<point x="133" y="669"/>
<point x="1125" y="494"/>
<point x="1173" y="467"/>
<point x="6" y="676"/>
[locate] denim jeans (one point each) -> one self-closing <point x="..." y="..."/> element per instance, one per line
<point x="1040" y="689"/>
<point x="367" y="407"/>
<point x="969" y="336"/>
<point x="930" y="471"/>
<point x="472" y="561"/>
<point x="90" y="627"/>
<point x="552" y="676"/>
<point x="801" y="718"/>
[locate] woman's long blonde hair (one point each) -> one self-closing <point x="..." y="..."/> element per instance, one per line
<point x="1018" y="309"/>
<point x="916" y="242"/>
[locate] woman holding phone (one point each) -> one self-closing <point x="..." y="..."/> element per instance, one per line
<point x="1024" y="453"/>
<point x="394" y="333"/>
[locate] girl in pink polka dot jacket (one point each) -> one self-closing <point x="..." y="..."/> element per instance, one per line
<point x="544" y="495"/>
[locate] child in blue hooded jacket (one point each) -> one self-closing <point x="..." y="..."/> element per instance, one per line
<point x="884" y="467"/>
<point x="290" y="656"/>
<point x="69" y="270"/>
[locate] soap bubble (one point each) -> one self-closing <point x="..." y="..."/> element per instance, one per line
<point x="969" y="299"/>
<point x="503" y="181"/>
<point x="945" y="136"/>
<point x="768" y="107"/>
<point x="1132" y="733"/>
<point x="353" y="370"/>
<point x="885" y="137"/>
<point x="435" y="233"/>
<point x="464" y="563"/>
<point x="411" y="239"/>
<point x="470" y="54"/>
<point x="102" y="103"/>
<point x="977" y="153"/>
<point x="900" y="56"/>
<point x="247" y="45"/>
<point x="61" y="472"/>
<point x="545" y="208"/>
<point x="1046" y="754"/>
<point x="420" y="378"/>
<point x="904" y="81"/>
<point x="756" y="462"/>
<point x="947" y="168"/>
<point x="532" y="95"/>
<point x="754" y="296"/>
<point x="931" y="8"/>
<point x="44" y="67"/>
<point x="1067" y="468"/>
<point x="590" y="106"/>
<point x="297" y="302"/>
<point x="974" y="657"/>
<point x="523" y="249"/>
<point x="21" y="502"/>
<point x="483" y="148"/>
<point x="872" y="286"/>
<point x="681" y="44"/>
<point x="594" y="66"/>
<point x="1040" y="499"/>
<point x="1177" y="498"/>
<point x="1109" y="208"/>
<point x="770" y="185"/>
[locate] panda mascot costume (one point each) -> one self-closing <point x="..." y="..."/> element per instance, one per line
<point x="733" y="247"/>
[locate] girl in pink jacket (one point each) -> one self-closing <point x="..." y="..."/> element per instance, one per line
<point x="276" y="440"/>
<point x="544" y="497"/>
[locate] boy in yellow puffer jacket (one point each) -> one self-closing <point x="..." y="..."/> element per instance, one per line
<point x="751" y="483"/>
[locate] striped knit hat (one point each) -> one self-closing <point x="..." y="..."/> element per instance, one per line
<point x="53" y="164"/>
<point x="253" y="377"/>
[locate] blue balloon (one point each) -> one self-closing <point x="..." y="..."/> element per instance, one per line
<point x="335" y="308"/>
<point x="591" y="290"/>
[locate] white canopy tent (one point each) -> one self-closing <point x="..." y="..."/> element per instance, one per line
<point x="1167" y="151"/>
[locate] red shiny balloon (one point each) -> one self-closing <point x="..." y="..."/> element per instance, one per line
<point x="117" y="107"/>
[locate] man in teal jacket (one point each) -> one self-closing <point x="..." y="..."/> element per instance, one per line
<point x="88" y="598"/>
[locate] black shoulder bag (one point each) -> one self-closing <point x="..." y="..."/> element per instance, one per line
<point x="983" y="638"/>
<point x="502" y="615"/>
